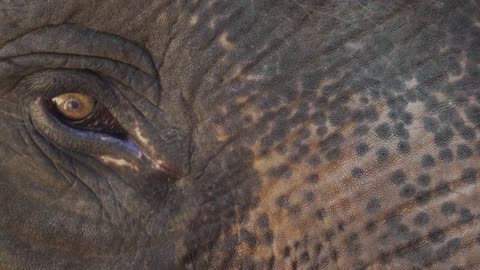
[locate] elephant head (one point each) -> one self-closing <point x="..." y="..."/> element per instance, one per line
<point x="307" y="134"/>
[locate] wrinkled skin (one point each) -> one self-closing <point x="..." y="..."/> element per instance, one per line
<point x="260" y="135"/>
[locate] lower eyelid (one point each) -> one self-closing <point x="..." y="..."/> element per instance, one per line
<point x="72" y="138"/>
<point x="99" y="120"/>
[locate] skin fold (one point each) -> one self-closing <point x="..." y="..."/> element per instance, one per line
<point x="306" y="134"/>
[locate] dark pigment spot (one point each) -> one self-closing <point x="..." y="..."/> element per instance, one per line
<point x="421" y="219"/>
<point x="373" y="205"/>
<point x="398" y="177"/>
<point x="448" y="208"/>
<point x="382" y="154"/>
<point x="428" y="161"/>
<point x="361" y="149"/>
<point x="424" y="180"/>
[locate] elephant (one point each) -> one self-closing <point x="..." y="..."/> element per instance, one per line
<point x="215" y="134"/>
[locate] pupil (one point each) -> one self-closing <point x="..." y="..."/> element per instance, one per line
<point x="72" y="105"/>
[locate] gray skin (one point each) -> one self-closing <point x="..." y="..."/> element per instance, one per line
<point x="241" y="134"/>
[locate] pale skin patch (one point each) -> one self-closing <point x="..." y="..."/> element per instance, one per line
<point x="221" y="135"/>
<point x="157" y="164"/>
<point x="330" y="80"/>
<point x="255" y="78"/>
<point x="118" y="162"/>
<point x="476" y="23"/>
<point x="355" y="45"/>
<point x="452" y="78"/>
<point x="140" y="137"/>
<point x="194" y="20"/>
<point x="144" y="141"/>
<point x="411" y="84"/>
<point x="225" y="43"/>
<point x="235" y="73"/>
<point x="213" y="22"/>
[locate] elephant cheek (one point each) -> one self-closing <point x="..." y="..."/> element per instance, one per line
<point x="355" y="197"/>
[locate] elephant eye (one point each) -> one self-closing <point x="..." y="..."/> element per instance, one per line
<point x="82" y="111"/>
<point x="74" y="106"/>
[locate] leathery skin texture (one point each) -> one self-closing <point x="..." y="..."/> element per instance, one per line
<point x="306" y="134"/>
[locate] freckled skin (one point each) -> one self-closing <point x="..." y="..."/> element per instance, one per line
<point x="257" y="135"/>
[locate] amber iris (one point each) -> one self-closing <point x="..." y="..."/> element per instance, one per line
<point x="74" y="106"/>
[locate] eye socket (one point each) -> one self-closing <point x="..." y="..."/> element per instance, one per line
<point x="74" y="106"/>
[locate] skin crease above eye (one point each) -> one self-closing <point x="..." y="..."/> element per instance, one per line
<point x="216" y="134"/>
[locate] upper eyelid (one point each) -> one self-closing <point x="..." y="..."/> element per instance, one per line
<point x="120" y="59"/>
<point x="51" y="83"/>
<point x="136" y="80"/>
